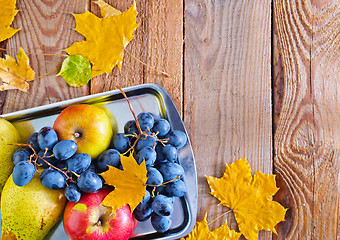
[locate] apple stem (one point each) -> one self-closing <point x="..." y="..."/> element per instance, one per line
<point x="76" y="134"/>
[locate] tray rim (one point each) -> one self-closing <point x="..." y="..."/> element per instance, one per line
<point x="191" y="200"/>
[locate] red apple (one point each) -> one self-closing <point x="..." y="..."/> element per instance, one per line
<point x="88" y="125"/>
<point x="89" y="219"/>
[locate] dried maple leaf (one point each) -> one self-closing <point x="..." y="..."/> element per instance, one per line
<point x="106" y="38"/>
<point x="7" y="14"/>
<point x="15" y="74"/>
<point x="249" y="198"/>
<point x="129" y="184"/>
<point x="201" y="232"/>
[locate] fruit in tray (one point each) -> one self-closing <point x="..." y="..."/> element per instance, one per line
<point x="29" y="212"/>
<point x="89" y="219"/>
<point x="87" y="125"/>
<point x="73" y="154"/>
<point x="8" y="135"/>
<point x="153" y="141"/>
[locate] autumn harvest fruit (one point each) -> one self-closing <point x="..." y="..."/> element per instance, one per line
<point x="139" y="166"/>
<point x="87" y="125"/>
<point x="8" y="135"/>
<point x="90" y="219"/>
<point x="29" y="212"/>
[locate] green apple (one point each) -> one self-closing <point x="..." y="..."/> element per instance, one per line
<point x="87" y="125"/>
<point x="8" y="135"/>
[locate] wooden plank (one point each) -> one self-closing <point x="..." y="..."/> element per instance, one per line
<point x="4" y="93"/>
<point x="47" y="27"/>
<point x="163" y="41"/>
<point x="307" y="136"/>
<point x="158" y="43"/>
<point x="132" y="71"/>
<point x="227" y="97"/>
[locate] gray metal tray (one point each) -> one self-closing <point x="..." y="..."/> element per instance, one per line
<point x="144" y="98"/>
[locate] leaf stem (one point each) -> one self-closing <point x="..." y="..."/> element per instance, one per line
<point x="164" y="73"/>
<point x="219" y="216"/>
<point x="45" y="54"/>
<point x="46" y="73"/>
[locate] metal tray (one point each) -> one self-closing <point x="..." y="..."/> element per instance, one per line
<point x="144" y="98"/>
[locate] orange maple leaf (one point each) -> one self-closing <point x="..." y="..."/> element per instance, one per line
<point x="248" y="197"/>
<point x="129" y="184"/>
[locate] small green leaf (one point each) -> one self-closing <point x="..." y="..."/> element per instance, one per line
<point x="76" y="70"/>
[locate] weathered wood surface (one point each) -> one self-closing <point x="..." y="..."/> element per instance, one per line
<point x="158" y="43"/>
<point x="227" y="90"/>
<point x="46" y="27"/>
<point x="307" y="136"/>
<point x="225" y="68"/>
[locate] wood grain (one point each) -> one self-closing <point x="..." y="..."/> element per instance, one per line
<point x="4" y="93"/>
<point x="163" y="43"/>
<point x="158" y="43"/>
<point x="46" y="27"/>
<point x="307" y="137"/>
<point x="132" y="71"/>
<point x="227" y="97"/>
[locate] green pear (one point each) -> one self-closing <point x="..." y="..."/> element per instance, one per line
<point x="25" y="129"/>
<point x="29" y="212"/>
<point x="8" y="135"/>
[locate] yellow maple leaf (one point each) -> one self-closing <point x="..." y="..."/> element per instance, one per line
<point x="7" y="14"/>
<point x="224" y="233"/>
<point x="201" y="232"/>
<point x="249" y="198"/>
<point x="15" y="74"/>
<point x="106" y="38"/>
<point x="129" y="184"/>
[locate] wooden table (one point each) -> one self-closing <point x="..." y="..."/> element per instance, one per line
<point x="256" y="79"/>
